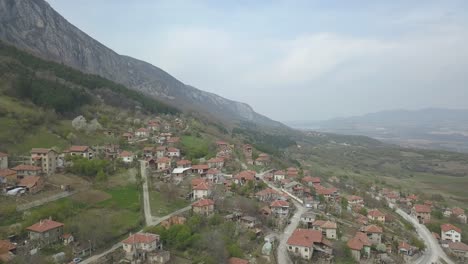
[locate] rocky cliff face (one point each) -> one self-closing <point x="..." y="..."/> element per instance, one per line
<point x="34" y="26"/>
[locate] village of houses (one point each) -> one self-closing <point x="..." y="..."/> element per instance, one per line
<point x="299" y="216"/>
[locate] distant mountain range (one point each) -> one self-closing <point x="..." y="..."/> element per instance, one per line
<point x="430" y="128"/>
<point x="33" y="25"/>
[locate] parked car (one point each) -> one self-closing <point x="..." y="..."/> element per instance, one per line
<point x="16" y="191"/>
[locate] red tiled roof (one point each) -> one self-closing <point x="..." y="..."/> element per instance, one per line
<point x="141" y="238"/>
<point x="126" y="154"/>
<point x="196" y="181"/>
<point x="78" y="148"/>
<point x="458" y="211"/>
<point x="412" y="197"/>
<point x="202" y="186"/>
<point x="29" y="181"/>
<point x="328" y="225"/>
<point x="448" y="227"/>
<point x="359" y="241"/>
<point x="3" y="155"/>
<point x="200" y="167"/>
<point x="40" y="150"/>
<point x="184" y="162"/>
<point x="372" y="229"/>
<point x="44" y="225"/>
<point x="203" y="203"/>
<point x="459" y="246"/>
<point x="7" y="172"/>
<point x="325" y="191"/>
<point x="161" y="148"/>
<point x="280" y="172"/>
<point x="246" y="175"/>
<point x="279" y="203"/>
<point x="142" y="129"/>
<point x="212" y="171"/>
<point x="305" y="237"/>
<point x="163" y="160"/>
<point x="6" y="245"/>
<point x="404" y="245"/>
<point x="354" y="198"/>
<point x="421" y="208"/>
<point x="311" y="179"/>
<point x="237" y="261"/>
<point x="375" y="213"/>
<point x="24" y="167"/>
<point x="173" y="150"/>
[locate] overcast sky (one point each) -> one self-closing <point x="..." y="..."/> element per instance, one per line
<point x="295" y="60"/>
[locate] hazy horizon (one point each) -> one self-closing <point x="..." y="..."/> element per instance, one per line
<point x="302" y="60"/>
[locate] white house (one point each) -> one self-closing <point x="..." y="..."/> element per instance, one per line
<point x="127" y="156"/>
<point x="173" y="152"/>
<point x="450" y="232"/>
<point x="279" y="175"/>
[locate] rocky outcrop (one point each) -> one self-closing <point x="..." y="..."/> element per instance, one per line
<point x="34" y="26"/>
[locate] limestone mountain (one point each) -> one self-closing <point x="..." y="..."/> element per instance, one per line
<point x="33" y="25"/>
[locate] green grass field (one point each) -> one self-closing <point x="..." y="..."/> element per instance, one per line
<point x="194" y="147"/>
<point x="160" y="206"/>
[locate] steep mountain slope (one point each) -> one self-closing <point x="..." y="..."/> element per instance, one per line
<point x="34" y="26"/>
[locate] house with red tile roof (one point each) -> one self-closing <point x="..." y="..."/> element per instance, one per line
<point x="127" y="156"/>
<point x="203" y="206"/>
<point x="292" y="173"/>
<point x="173" y="152"/>
<point x="450" y="232"/>
<point x="328" y="228"/>
<point x="280" y="208"/>
<point x="173" y="140"/>
<point x="33" y="184"/>
<point x="279" y="175"/>
<point x="311" y="181"/>
<point x="8" y="177"/>
<point x="422" y="213"/>
<point x="374" y="233"/>
<point x="200" y="169"/>
<point x="359" y="246"/>
<point x="128" y="136"/>
<point x="376" y="215"/>
<point x="163" y="164"/>
<point x="459" y="249"/>
<point x="161" y="151"/>
<point x="244" y="176"/>
<point x="213" y="175"/>
<point x="237" y="261"/>
<point x="141" y="244"/>
<point x="142" y="132"/>
<point x="24" y="170"/>
<point x="458" y="213"/>
<point x="46" y="231"/>
<point x="303" y="242"/>
<point x="217" y="163"/>
<point x="3" y="161"/>
<point x="7" y="251"/>
<point x="355" y="200"/>
<point x="201" y="190"/>
<point x="83" y="151"/>
<point x="184" y="163"/>
<point x="404" y="248"/>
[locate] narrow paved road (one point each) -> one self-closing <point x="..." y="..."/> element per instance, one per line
<point x="146" y="201"/>
<point x="282" y="250"/>
<point x="433" y="250"/>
